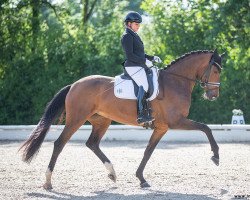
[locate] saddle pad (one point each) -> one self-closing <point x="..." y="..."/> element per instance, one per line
<point x="124" y="89"/>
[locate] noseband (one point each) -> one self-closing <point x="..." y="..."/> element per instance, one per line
<point x="204" y="80"/>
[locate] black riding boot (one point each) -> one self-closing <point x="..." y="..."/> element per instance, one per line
<point x="141" y="104"/>
<point x="140" y="111"/>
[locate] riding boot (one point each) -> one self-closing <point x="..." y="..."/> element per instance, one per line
<point x="140" y="107"/>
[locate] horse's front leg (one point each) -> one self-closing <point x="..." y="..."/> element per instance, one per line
<point x="186" y="124"/>
<point x="155" y="138"/>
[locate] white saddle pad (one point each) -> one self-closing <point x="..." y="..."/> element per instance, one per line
<point x="124" y="89"/>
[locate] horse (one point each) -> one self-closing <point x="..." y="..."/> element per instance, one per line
<point x="92" y="99"/>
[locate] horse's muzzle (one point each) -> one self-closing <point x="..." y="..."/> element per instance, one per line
<point x="211" y="95"/>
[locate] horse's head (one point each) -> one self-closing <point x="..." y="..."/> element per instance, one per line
<point x="210" y="79"/>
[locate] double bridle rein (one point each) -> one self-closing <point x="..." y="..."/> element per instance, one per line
<point x="204" y="80"/>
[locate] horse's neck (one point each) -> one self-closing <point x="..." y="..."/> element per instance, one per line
<point x="187" y="71"/>
<point x="191" y="66"/>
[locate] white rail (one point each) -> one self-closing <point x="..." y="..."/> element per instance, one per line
<point x="222" y="133"/>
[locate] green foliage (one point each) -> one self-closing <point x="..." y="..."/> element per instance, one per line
<point x="177" y="28"/>
<point x="36" y="64"/>
<point x="44" y="47"/>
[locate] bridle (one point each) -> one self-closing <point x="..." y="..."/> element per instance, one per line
<point x="204" y="80"/>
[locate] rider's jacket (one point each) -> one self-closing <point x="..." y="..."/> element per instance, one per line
<point x="134" y="49"/>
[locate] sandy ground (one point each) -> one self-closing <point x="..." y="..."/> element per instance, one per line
<point x="175" y="171"/>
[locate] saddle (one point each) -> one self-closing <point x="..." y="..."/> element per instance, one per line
<point x="126" y="88"/>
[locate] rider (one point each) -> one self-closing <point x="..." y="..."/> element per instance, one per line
<point x="137" y="62"/>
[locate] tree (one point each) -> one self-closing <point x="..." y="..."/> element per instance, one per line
<point x="202" y="24"/>
<point x="64" y="52"/>
<point x="45" y="46"/>
<point x="87" y="10"/>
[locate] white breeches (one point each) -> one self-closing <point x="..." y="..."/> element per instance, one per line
<point x="138" y="74"/>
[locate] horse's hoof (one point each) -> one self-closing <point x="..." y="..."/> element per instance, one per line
<point x="112" y="177"/>
<point x="47" y="186"/>
<point x="145" y="185"/>
<point x="215" y="160"/>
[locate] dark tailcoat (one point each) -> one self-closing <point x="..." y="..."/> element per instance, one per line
<point x="134" y="49"/>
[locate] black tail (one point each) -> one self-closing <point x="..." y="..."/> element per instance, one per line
<point x="53" y="110"/>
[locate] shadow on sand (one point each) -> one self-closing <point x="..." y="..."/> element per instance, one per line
<point x="108" y="194"/>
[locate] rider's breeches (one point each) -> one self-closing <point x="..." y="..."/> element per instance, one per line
<point x="138" y="74"/>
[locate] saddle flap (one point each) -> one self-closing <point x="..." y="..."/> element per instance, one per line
<point x="126" y="88"/>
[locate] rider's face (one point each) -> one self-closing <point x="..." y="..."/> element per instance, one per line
<point x="134" y="26"/>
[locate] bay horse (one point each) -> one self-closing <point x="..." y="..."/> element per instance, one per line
<point x="92" y="99"/>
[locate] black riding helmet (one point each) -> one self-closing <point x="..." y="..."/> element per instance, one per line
<point x="133" y="17"/>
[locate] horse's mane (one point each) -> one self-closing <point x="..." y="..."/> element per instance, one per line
<point x="186" y="55"/>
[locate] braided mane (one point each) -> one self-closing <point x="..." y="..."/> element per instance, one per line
<point x="186" y="55"/>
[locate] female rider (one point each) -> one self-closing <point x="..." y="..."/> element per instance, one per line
<point x="137" y="61"/>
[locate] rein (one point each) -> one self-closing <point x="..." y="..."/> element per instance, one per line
<point x="206" y="75"/>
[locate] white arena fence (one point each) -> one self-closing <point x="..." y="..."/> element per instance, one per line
<point x="222" y="133"/>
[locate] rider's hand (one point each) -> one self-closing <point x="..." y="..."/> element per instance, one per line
<point x="149" y="63"/>
<point x="157" y="59"/>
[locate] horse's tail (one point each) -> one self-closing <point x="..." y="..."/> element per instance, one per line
<point x="53" y="110"/>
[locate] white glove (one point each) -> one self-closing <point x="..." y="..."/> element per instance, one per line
<point x="149" y="63"/>
<point x="157" y="59"/>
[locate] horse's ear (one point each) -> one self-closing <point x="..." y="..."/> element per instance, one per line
<point x="215" y="51"/>
<point x="222" y="55"/>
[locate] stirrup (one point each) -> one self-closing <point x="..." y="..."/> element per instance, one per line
<point x="143" y="120"/>
<point x="150" y="118"/>
<point x="149" y="125"/>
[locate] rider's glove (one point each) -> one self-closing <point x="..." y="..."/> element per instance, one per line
<point x="149" y="63"/>
<point x="157" y="59"/>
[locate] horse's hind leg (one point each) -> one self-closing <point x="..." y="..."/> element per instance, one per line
<point x="100" y="126"/>
<point x="66" y="134"/>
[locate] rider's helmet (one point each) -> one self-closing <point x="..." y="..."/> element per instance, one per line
<point x="133" y="17"/>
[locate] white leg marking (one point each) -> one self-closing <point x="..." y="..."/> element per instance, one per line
<point x="111" y="170"/>
<point x="109" y="167"/>
<point x="47" y="185"/>
<point x="48" y="176"/>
